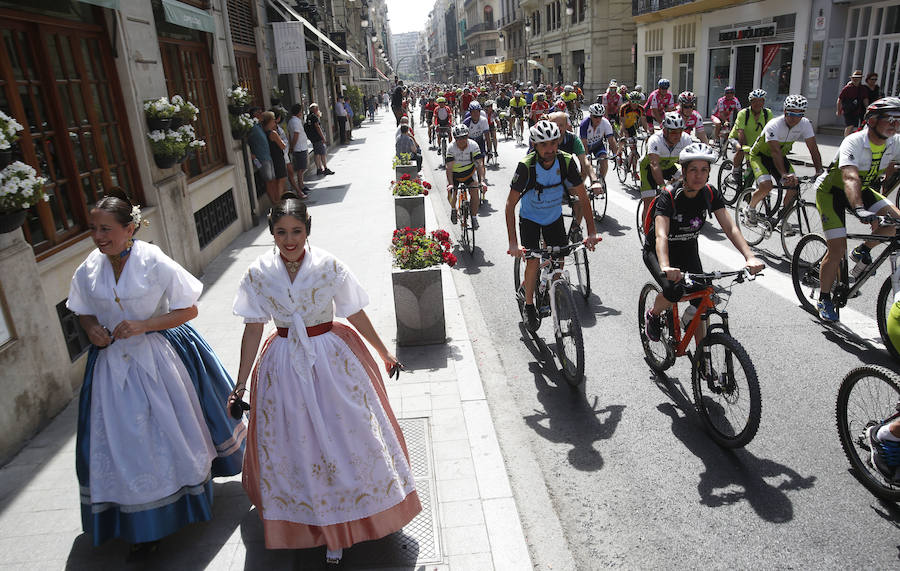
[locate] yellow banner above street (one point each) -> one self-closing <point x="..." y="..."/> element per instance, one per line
<point x="495" y="68"/>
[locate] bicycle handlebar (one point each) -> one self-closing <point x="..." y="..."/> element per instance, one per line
<point x="553" y="251"/>
<point x="742" y="275"/>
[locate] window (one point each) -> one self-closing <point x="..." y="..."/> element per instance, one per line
<point x="654" y="70"/>
<point x="60" y="83"/>
<point x="719" y="75"/>
<point x="776" y="72"/>
<point x="685" y="72"/>
<point x="242" y="21"/>
<point x="489" y="17"/>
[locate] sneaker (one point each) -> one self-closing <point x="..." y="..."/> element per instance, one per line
<point x="826" y="310"/>
<point x="575" y="235"/>
<point x="884" y="455"/>
<point x="328" y="171"/>
<point x="751" y="216"/>
<point x="860" y="254"/>
<point x="532" y="323"/>
<point x="319" y="172"/>
<point x="652" y="326"/>
<point x="453" y="218"/>
<point x="790" y="230"/>
<point x="474" y="223"/>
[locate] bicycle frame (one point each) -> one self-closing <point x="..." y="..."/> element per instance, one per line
<point x="842" y="293"/>
<point x="706" y="308"/>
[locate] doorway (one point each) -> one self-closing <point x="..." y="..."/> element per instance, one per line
<point x="743" y="72"/>
<point x="888" y="66"/>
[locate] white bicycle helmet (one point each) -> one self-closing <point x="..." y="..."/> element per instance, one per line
<point x="697" y="152"/>
<point x="460" y="131"/>
<point x="673" y="120"/>
<point x="597" y="110"/>
<point x="544" y="131"/>
<point x="663" y="83"/>
<point x="568" y="88"/>
<point x="489" y="103"/>
<point x="687" y="98"/>
<point x="758" y="94"/>
<point x="474" y="106"/>
<point x="613" y="83"/>
<point x="883" y="106"/>
<point x="795" y="101"/>
<point x="517" y="93"/>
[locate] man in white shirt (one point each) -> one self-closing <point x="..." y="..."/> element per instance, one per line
<point x="341" y="113"/>
<point x="299" y="146"/>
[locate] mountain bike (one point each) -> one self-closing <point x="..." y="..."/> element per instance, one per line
<point x="725" y="386"/>
<point x="553" y="296"/>
<point x="807" y="261"/>
<point x="465" y="216"/>
<point x="868" y="396"/>
<point x="792" y="221"/>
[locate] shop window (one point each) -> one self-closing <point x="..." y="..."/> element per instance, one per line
<point x="719" y="70"/>
<point x="59" y="81"/>
<point x="654" y="71"/>
<point x="685" y="72"/>
<point x="776" y="73"/>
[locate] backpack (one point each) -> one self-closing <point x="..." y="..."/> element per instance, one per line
<point x="649" y="219"/>
<point x="746" y="111"/>
<point x="563" y="159"/>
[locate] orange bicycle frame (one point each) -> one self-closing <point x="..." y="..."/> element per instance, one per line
<point x="706" y="303"/>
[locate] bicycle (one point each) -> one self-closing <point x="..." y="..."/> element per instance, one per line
<point x="553" y="296"/>
<point x="725" y="387"/>
<point x="806" y="263"/>
<point x="731" y="185"/>
<point x="504" y="125"/>
<point x="868" y="396"/>
<point x="793" y="221"/>
<point x="518" y="130"/>
<point x="641" y="212"/>
<point x="723" y="144"/>
<point x="443" y="135"/>
<point x="465" y="216"/>
<point x="627" y="160"/>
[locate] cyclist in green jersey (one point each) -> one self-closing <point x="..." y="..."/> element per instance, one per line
<point x="749" y="125"/>
<point x="850" y="183"/>
<point x="768" y="155"/>
<point x="660" y="164"/>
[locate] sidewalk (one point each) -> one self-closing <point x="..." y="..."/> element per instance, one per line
<point x="469" y="518"/>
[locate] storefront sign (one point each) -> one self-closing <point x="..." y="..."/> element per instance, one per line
<point x="748" y="33"/>
<point x="188" y="16"/>
<point x="290" y="47"/>
<point x="342" y="69"/>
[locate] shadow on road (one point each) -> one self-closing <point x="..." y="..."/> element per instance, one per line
<point x="610" y="226"/>
<point x="730" y="476"/>
<point x="471" y="263"/>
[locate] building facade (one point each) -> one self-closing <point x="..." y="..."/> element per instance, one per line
<point x="76" y="79"/>
<point x="406" y="60"/>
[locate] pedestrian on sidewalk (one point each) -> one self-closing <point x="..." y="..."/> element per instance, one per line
<point x="259" y="153"/>
<point x="852" y="101"/>
<point x="349" y="118"/>
<point x="335" y="468"/>
<point x="873" y="88"/>
<point x="397" y="101"/>
<point x="299" y="147"/>
<point x="407" y="144"/>
<point x="275" y="187"/>
<point x="340" y="112"/>
<point x="151" y="429"/>
<point x="280" y="112"/>
<point x="313" y="128"/>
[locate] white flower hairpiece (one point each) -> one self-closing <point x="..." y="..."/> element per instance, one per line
<point x="136" y="217"/>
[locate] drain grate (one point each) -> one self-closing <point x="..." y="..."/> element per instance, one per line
<point x="417" y="542"/>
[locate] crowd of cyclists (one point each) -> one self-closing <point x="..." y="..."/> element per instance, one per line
<point x="566" y="162"/>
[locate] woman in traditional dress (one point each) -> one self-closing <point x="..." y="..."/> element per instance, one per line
<point x="326" y="463"/>
<point x="151" y="429"/>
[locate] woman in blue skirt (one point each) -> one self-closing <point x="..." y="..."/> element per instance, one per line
<point x="152" y="431"/>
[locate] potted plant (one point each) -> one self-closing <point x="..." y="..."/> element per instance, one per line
<point x="241" y="125"/>
<point x="20" y="189"/>
<point x="238" y="99"/>
<point x="185" y="112"/>
<point x="409" y="201"/>
<point x="9" y="134"/>
<point x="159" y="113"/>
<point x="275" y="96"/>
<point x="418" y="292"/>
<point x="190" y="140"/>
<point x="403" y="165"/>
<point x="169" y="147"/>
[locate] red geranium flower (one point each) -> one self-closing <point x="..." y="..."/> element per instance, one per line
<point x="405" y="177"/>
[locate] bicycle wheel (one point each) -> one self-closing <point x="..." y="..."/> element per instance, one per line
<point x="753" y="233"/>
<point x="639" y="222"/>
<point x="622" y="167"/>
<point x="598" y="202"/>
<point x="883" y="311"/>
<point x="464" y="226"/>
<point x="660" y="355"/>
<point x="726" y="390"/>
<point x="470" y="227"/>
<point x="567" y="329"/>
<point x="582" y="273"/>
<point x="867" y="397"/>
<point x="728" y="184"/>
<point x="805" y="270"/>
<point x="803" y="218"/>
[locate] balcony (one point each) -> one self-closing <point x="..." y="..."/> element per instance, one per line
<point x="480" y="29"/>
<point x="650" y="10"/>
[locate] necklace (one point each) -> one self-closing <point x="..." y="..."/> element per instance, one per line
<point x="292" y="267"/>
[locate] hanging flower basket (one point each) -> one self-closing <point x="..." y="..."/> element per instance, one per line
<point x="6" y="158"/>
<point x="165" y="162"/>
<point x="159" y="123"/>
<point x="176" y="122"/>
<point x="10" y="221"/>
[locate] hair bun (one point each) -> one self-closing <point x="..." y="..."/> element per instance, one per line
<point x="120" y="194"/>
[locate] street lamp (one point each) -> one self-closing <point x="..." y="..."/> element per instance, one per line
<point x="569" y="8"/>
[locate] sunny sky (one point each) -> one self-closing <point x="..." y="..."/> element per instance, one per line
<point x="408" y="15"/>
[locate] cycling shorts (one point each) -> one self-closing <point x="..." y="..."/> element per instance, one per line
<point x="466" y="175"/>
<point x="833" y="206"/>
<point x="632" y="131"/>
<point x="598" y="149"/>
<point x="613" y="117"/>
<point x="686" y="257"/>
<point x="648" y="183"/>
<point x="517" y="111"/>
<point x="554" y="233"/>
<point x="763" y="167"/>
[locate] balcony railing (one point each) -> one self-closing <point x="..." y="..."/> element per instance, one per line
<point x="639" y="7"/>
<point x="479" y="28"/>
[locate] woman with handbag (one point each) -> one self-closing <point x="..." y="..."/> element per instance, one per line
<point x="326" y="462"/>
<point x="151" y="430"/>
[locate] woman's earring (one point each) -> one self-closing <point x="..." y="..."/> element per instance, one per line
<point x="129" y="243"/>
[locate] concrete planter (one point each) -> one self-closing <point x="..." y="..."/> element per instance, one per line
<point x="409" y="211"/>
<point x="401" y="170"/>
<point x="419" y="306"/>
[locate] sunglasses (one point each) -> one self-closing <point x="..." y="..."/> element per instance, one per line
<point x="891" y="119"/>
<point x="686" y="106"/>
<point x="794" y="114"/>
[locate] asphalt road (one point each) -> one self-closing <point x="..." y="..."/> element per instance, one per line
<point x="620" y="472"/>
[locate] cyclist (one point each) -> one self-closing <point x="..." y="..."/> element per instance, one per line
<point x="538" y="108"/>
<point x="540" y="181"/>
<point x="851" y="182"/>
<point x="570" y="143"/>
<point x="726" y="107"/>
<point x="428" y="109"/>
<point x="570" y="98"/>
<point x="748" y="124"/>
<point x="463" y="162"/>
<point x="768" y="153"/>
<point x="693" y="120"/>
<point x="595" y="131"/>
<point x="490" y="114"/>
<point x="630" y="113"/>
<point x="884" y="439"/>
<point x="443" y="120"/>
<point x="674" y="225"/>
<point x="477" y="124"/>
<point x="503" y="100"/>
<point x="660" y="164"/>
<point x="578" y="93"/>
<point x="517" y="109"/>
<point x="465" y="100"/>
<point x="660" y="102"/>
<point x="611" y="100"/>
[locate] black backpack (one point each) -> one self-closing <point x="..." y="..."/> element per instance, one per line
<point x="648" y="215"/>
<point x="563" y="159"/>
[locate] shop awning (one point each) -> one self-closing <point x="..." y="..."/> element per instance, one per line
<point x="187" y="16"/>
<point x="111" y="4"/>
<point x="280" y="5"/>
<point x="383" y="76"/>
